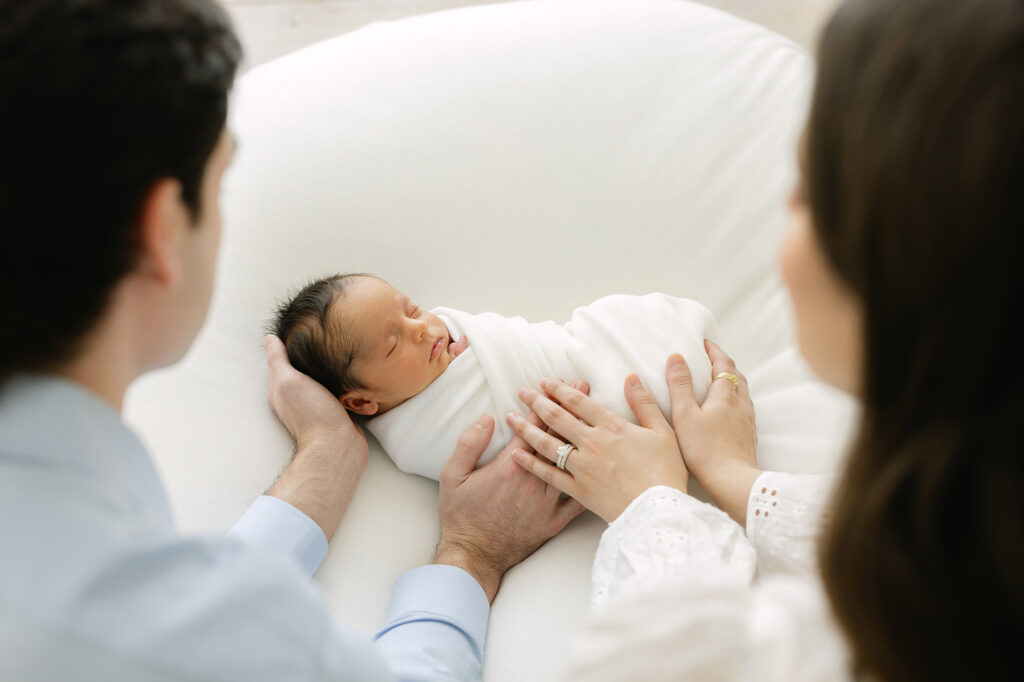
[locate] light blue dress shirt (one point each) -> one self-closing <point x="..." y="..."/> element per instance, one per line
<point x="95" y="584"/>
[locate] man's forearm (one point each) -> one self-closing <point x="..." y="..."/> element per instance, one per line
<point x="321" y="481"/>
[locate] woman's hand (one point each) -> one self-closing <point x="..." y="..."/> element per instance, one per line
<point x="615" y="460"/>
<point x="719" y="438"/>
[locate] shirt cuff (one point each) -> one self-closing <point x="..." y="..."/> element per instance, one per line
<point x="754" y="500"/>
<point x="440" y="593"/>
<point x="273" y="523"/>
<point x="639" y="503"/>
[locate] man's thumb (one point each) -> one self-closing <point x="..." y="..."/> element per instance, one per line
<point x="469" y="449"/>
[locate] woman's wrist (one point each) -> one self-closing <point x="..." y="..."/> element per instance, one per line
<point x="729" y="482"/>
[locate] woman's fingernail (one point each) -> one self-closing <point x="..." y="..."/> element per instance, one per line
<point x="512" y="417"/>
<point x="481" y="423"/>
<point x="546" y="383"/>
<point x="519" y="456"/>
<point x="633" y="380"/>
<point x="676" y="361"/>
<point x="525" y="393"/>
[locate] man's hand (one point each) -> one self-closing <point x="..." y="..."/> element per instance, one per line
<point x="331" y="451"/>
<point x="307" y="409"/>
<point x="494" y="517"/>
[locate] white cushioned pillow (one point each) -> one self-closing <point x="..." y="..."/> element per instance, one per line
<point x="524" y="158"/>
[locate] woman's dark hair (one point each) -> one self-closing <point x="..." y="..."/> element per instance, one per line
<point x="914" y="173"/>
<point x="319" y="345"/>
<point x="99" y="100"/>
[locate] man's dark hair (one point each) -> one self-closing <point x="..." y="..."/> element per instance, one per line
<point x="318" y="345"/>
<point x="99" y="100"/>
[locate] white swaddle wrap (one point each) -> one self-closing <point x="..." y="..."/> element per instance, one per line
<point x="602" y="344"/>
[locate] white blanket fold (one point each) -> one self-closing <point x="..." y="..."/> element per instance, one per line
<point x="602" y="344"/>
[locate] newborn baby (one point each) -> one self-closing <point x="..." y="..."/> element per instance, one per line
<point x="421" y="377"/>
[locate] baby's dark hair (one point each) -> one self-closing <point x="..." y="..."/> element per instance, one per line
<point x="317" y="346"/>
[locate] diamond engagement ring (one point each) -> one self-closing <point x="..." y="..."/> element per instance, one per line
<point x="564" y="450"/>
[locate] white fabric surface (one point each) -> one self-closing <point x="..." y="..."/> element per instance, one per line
<point x="523" y="158"/>
<point x="675" y="596"/>
<point x="602" y="344"/>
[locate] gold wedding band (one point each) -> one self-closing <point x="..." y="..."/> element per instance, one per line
<point x="731" y="377"/>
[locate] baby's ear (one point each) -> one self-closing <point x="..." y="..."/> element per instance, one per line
<point x="355" y="403"/>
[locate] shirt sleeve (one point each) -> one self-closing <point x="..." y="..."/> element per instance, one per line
<point x="665" y="532"/>
<point x="700" y="626"/>
<point x="437" y="619"/>
<point x="280" y="527"/>
<point x="436" y="625"/>
<point x="786" y="514"/>
<point x="675" y="598"/>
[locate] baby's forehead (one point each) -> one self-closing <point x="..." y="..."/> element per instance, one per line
<point x="367" y="308"/>
<point x="367" y="299"/>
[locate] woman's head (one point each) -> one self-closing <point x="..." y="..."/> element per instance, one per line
<point x="830" y="318"/>
<point x="912" y="199"/>
<point x="911" y="189"/>
<point x="914" y="179"/>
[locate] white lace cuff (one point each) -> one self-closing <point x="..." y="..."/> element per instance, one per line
<point x="664" y="533"/>
<point x="786" y="514"/>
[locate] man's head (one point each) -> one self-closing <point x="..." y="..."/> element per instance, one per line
<point x="364" y="340"/>
<point x="112" y="117"/>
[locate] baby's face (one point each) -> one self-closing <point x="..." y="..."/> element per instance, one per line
<point x="401" y="348"/>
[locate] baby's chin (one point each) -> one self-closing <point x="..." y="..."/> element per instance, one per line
<point x="443" y="362"/>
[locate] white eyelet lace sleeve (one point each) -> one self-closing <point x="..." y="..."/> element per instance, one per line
<point x="702" y="626"/>
<point x="675" y="599"/>
<point x="786" y="514"/>
<point x="665" y="532"/>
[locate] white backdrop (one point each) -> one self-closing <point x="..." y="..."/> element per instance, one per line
<point x="524" y="158"/>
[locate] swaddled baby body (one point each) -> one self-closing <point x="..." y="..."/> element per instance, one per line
<point x="421" y="378"/>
